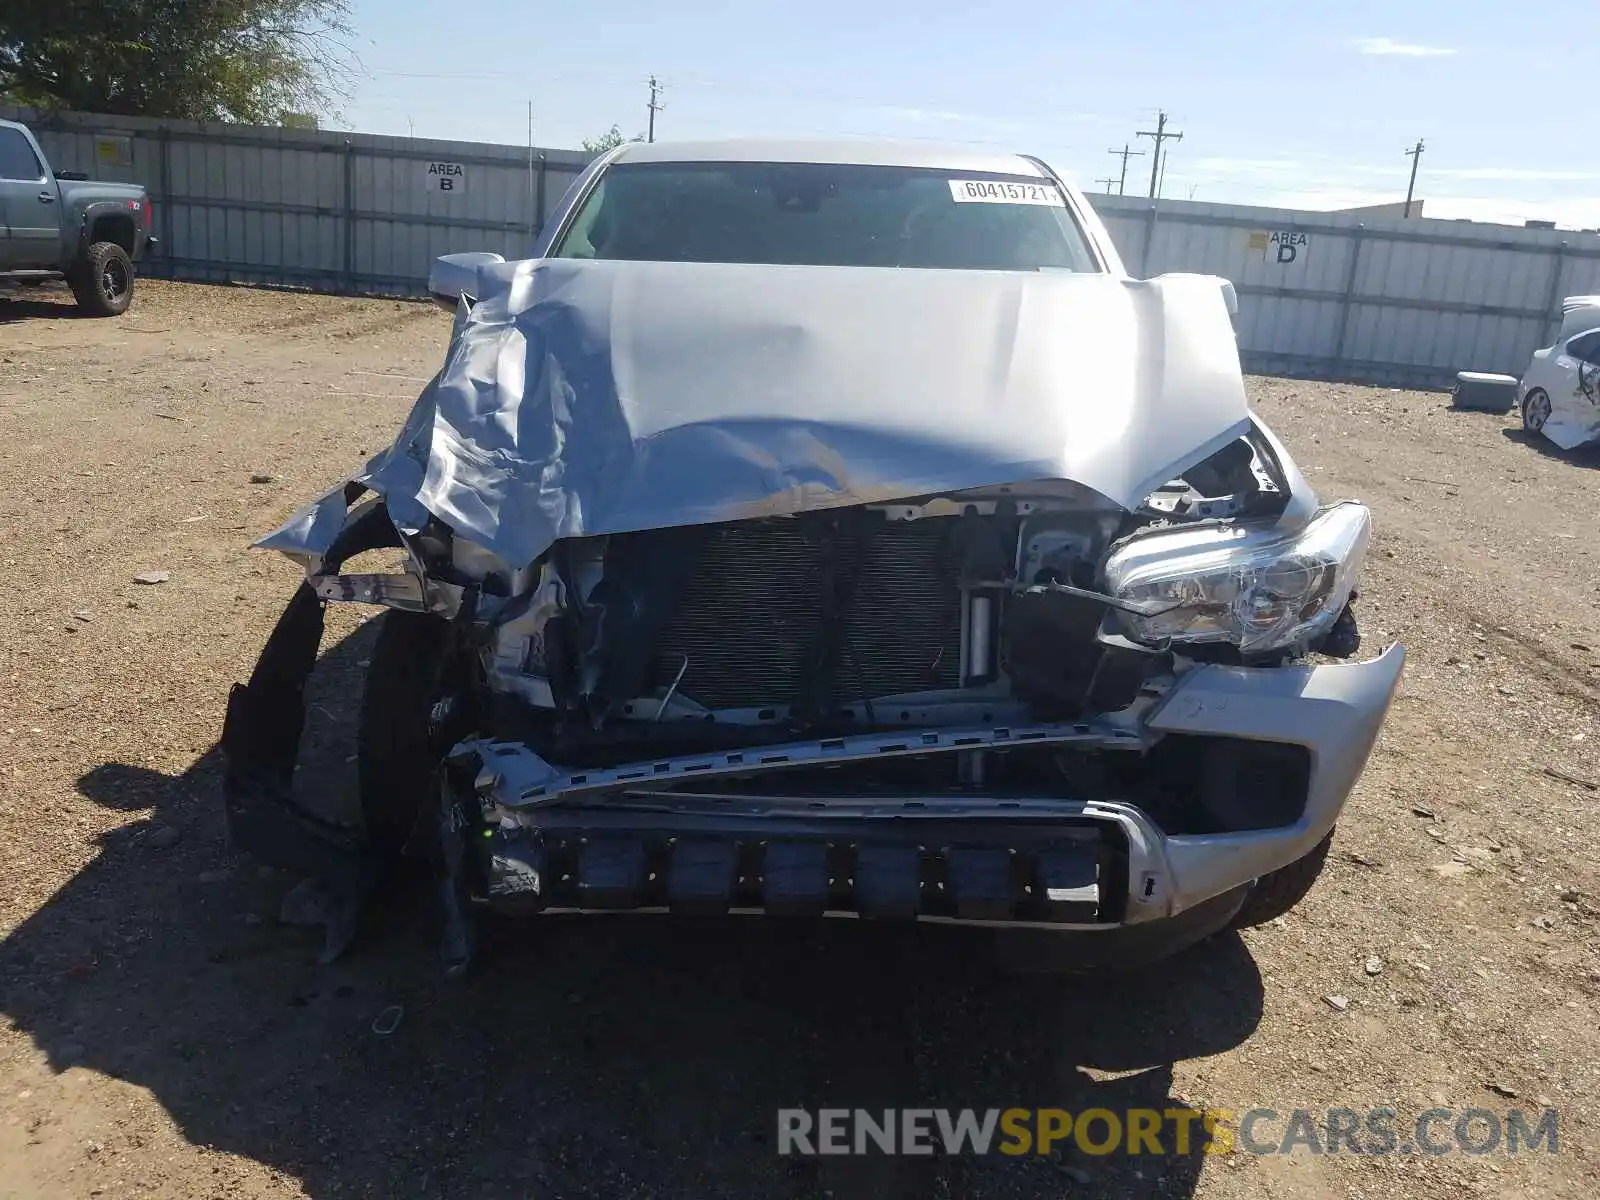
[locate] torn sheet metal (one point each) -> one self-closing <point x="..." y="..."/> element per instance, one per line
<point x="585" y="398"/>
<point x="1574" y="390"/>
<point x="1559" y="392"/>
<point x="307" y="535"/>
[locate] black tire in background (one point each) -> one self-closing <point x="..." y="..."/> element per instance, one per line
<point x="103" y="281"/>
<point x="396" y="761"/>
<point x="1277" y="892"/>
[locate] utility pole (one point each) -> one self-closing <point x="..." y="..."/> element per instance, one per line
<point x="1415" y="155"/>
<point x="1108" y="181"/>
<point x="1125" y="154"/>
<point x="1158" y="135"/>
<point x="655" y="107"/>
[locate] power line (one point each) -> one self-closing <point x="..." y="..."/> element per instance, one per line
<point x="888" y="105"/>
<point x="1125" y="154"/>
<point x="655" y="107"/>
<point x="1108" y="181"/>
<point x="1158" y="135"/>
<point x="1415" y="155"/>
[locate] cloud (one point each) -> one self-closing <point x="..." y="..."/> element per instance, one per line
<point x="1315" y="172"/>
<point x="1382" y="170"/>
<point x="927" y="116"/>
<point x="990" y="122"/>
<point x="1517" y="174"/>
<point x="1231" y="167"/>
<point x="1389" y="48"/>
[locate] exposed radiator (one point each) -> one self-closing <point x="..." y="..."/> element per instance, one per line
<point x="755" y="606"/>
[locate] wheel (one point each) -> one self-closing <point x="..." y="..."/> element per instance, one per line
<point x="396" y="761"/>
<point x="1277" y="892"/>
<point x="1535" y="410"/>
<point x="103" y="281"/>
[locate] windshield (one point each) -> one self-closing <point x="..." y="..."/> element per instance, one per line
<point x="808" y="214"/>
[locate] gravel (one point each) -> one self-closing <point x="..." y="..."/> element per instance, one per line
<point x="212" y="1056"/>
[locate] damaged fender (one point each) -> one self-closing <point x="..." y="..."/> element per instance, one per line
<point x="262" y="729"/>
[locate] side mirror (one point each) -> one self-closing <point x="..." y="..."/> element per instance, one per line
<point x="1230" y="297"/>
<point x="455" y="276"/>
<point x="73" y="176"/>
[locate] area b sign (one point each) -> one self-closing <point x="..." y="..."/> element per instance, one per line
<point x="446" y="177"/>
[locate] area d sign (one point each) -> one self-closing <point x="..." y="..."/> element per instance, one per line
<point x="1280" y="245"/>
<point x="446" y="177"/>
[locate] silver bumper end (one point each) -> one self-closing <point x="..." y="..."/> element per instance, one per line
<point x="1333" y="711"/>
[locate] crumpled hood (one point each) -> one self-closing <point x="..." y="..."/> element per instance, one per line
<point x="585" y="398"/>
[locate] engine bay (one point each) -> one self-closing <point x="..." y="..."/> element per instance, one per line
<point x="938" y="610"/>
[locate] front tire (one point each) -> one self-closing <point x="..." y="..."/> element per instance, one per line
<point x="1278" y="891"/>
<point x="396" y="760"/>
<point x="1535" y="410"/>
<point x="103" y="281"/>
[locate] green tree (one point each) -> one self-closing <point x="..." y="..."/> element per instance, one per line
<point x="205" y="60"/>
<point x="609" y="140"/>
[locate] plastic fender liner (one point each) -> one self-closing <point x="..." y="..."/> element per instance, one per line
<point x="265" y="718"/>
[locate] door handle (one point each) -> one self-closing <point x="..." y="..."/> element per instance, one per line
<point x="47" y="198"/>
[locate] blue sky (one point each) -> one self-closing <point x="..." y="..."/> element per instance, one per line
<point x="1310" y="108"/>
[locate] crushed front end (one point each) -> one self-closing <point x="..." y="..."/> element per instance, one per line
<point x="939" y="709"/>
<point x="1097" y="700"/>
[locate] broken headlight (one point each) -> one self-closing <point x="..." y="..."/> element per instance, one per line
<point x="1260" y="589"/>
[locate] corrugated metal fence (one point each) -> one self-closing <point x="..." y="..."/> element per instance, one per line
<point x="1384" y="300"/>
<point x="346" y="212"/>
<point x="1320" y="294"/>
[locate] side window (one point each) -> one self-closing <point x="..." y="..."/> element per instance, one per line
<point x="17" y="159"/>
<point x="588" y="232"/>
<point x="1586" y="346"/>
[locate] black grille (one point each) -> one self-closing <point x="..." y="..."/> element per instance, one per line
<point x="1058" y="871"/>
<point x="755" y="606"/>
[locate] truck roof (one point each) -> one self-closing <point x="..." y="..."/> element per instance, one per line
<point x="840" y="150"/>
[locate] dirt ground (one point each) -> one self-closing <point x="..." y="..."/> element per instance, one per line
<point x="161" y="1035"/>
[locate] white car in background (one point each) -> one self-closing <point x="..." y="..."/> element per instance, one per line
<point x="1559" y="394"/>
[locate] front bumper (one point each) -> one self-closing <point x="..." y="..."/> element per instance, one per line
<point x="1335" y="711"/>
<point x="615" y="839"/>
<point x="517" y="833"/>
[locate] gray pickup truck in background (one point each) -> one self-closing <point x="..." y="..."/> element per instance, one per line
<point x="61" y="225"/>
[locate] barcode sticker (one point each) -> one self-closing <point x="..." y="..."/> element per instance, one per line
<point x="1004" y="191"/>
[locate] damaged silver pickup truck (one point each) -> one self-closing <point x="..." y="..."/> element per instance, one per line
<point x="831" y="528"/>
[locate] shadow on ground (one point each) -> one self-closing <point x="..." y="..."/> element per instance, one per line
<point x="1583" y="456"/>
<point x="589" y="1057"/>
<point x="30" y="303"/>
